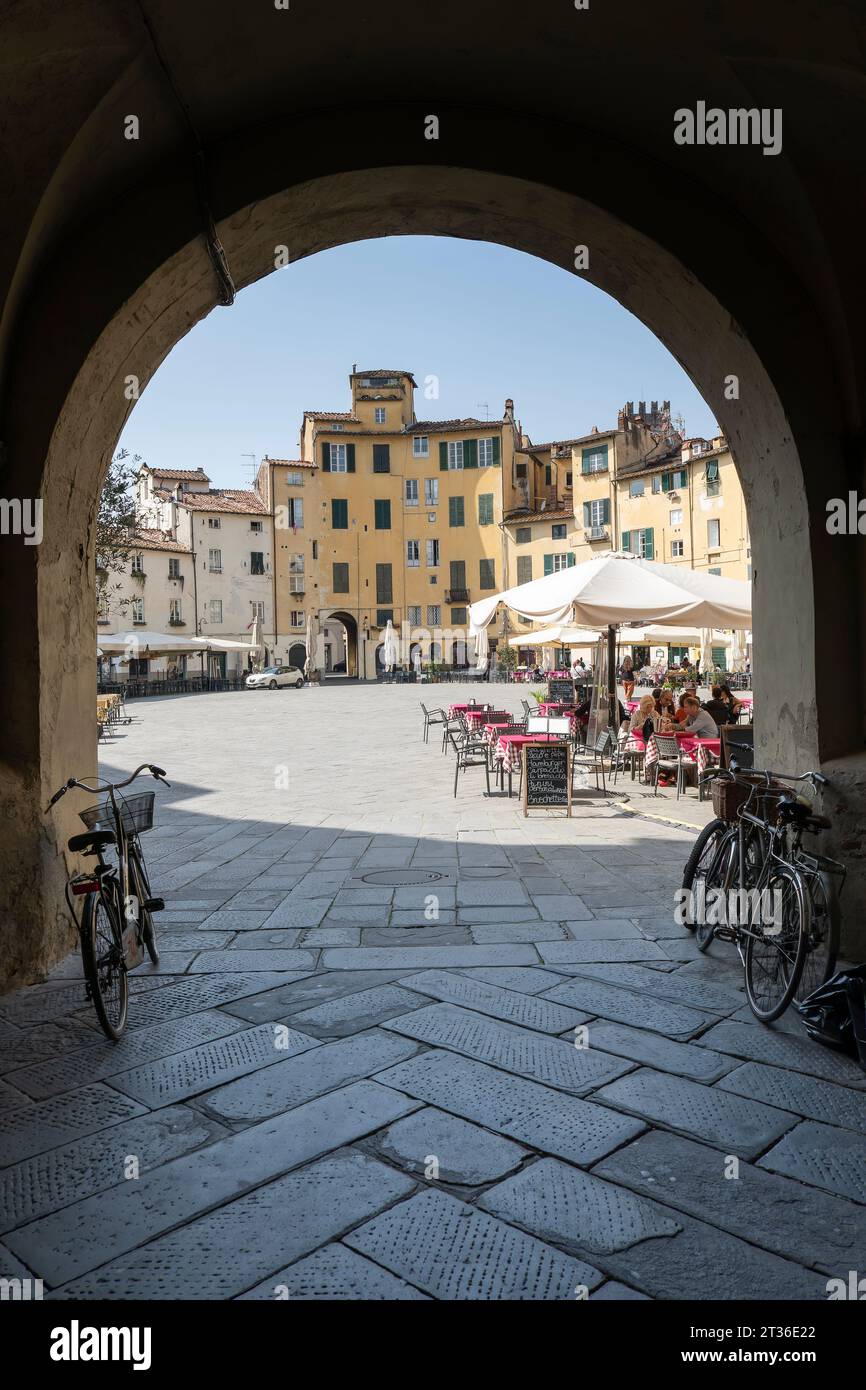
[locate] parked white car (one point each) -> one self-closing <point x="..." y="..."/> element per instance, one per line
<point x="273" y="676"/>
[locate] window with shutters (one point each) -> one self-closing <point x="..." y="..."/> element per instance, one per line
<point x="412" y="492"/>
<point x="455" y="454"/>
<point x="714" y="484"/>
<point x="560" y="561"/>
<point x="384" y="584"/>
<point x="214" y="523"/>
<point x="524" y="569"/>
<point x="382" y="513"/>
<point x="413" y="615"/>
<point x="384" y="616"/>
<point x="174" y="568"/>
<point x="456" y="512"/>
<point x="485" y="453"/>
<point x="681" y="478"/>
<point x="138" y="564"/>
<point x="713" y="535"/>
<point x="596" y="512"/>
<point x="657" y="482"/>
<point x="413" y="554"/>
<point x="296" y="617"/>
<point x="548" y="475"/>
<point x="138" y="610"/>
<point x="639" y="542"/>
<point x="339" y="514"/>
<point x="341" y="577"/>
<point x="457" y="571"/>
<point x="485" y="509"/>
<point x="520" y="470"/>
<point x="487" y="574"/>
<point x="257" y="609"/>
<point x="216" y="610"/>
<point x="432" y="554"/>
<point x="294" y="480"/>
<point x="215" y="561"/>
<point x="338" y="458"/>
<point x="594" y="460"/>
<point x="458" y="617"/>
<point x="558" y="532"/>
<point x="523" y="535"/>
<point x="257" y="562"/>
<point x="431" y="492"/>
<point x="381" y="458"/>
<point x="434" y="615"/>
<point x="420" y="449"/>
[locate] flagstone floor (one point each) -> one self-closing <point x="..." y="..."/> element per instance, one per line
<point x="403" y="1045"/>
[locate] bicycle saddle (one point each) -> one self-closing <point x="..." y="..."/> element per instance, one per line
<point x="91" y="841"/>
<point x="790" y="809"/>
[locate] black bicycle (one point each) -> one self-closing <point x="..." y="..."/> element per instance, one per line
<point x="116" y="924"/>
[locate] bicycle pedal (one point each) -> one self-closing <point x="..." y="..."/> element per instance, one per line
<point x="153" y="904"/>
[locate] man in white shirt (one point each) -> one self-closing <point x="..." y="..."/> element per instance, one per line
<point x="698" y="721"/>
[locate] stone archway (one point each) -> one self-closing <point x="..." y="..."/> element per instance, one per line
<point x="731" y="297"/>
<point x="352" y="652"/>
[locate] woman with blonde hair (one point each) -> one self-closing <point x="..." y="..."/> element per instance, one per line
<point x="645" y="720"/>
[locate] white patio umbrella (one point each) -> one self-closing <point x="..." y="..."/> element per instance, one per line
<point x="558" y="635"/>
<point x="311" y="665"/>
<point x="142" y="641"/>
<point x="482" y="650"/>
<point x="389" y="647"/>
<point x="620" y="588"/>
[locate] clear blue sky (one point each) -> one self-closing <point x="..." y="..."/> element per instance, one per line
<point x="488" y="321"/>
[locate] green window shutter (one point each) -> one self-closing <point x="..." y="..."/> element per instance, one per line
<point x="456" y="514"/>
<point x="350" y="458"/>
<point x="548" y="475"/>
<point x="548" y="564"/>
<point x="605" y="512"/>
<point x="470" y="453"/>
<point x="381" y="458"/>
<point x="587" y="515"/>
<point x="625" y="540"/>
<point x="667" y="484"/>
<point x="485" y="509"/>
<point x="384" y="590"/>
<point x="712" y="472"/>
<point x="572" y="560"/>
<point x="487" y="574"/>
<point x="382" y="511"/>
<point x="339" y="514"/>
<point x="648" y="549"/>
<point x="326" y="458"/>
<point x="443" y="457"/>
<point x="497" y="457"/>
<point x="584" y="463"/>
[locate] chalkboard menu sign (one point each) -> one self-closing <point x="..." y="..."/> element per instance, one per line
<point x="546" y="775"/>
<point x="560" y="691"/>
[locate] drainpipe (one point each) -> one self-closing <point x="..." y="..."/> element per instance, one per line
<point x="274" y="554"/>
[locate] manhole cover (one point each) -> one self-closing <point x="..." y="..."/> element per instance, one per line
<point x="401" y="878"/>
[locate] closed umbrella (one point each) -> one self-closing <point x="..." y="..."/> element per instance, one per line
<point x="389" y="647"/>
<point x="482" y="650"/>
<point x="311" y="665"/>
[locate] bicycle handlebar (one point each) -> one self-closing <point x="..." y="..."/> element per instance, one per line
<point x="817" y="779"/>
<point x="157" y="772"/>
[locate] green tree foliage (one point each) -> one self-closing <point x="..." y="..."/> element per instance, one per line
<point x="115" y="531"/>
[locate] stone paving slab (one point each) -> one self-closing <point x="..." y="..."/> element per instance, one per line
<point x="91" y="1232"/>
<point x="782" y="1049"/>
<point x="614" y="1292"/>
<point x="417" y="932"/>
<point x="335" y="1273"/>
<point x="11" y="1098"/>
<point x="549" y="1060"/>
<point x="777" y="1213"/>
<point x="465" y="1154"/>
<point x="676" y="987"/>
<point x="822" y="1156"/>
<point x="308" y="990"/>
<point x="48" y="1181"/>
<point x="297" y="912"/>
<point x="49" y="1003"/>
<point x="231" y="1250"/>
<point x="577" y="1130"/>
<point x="421" y="957"/>
<point x="661" y="1053"/>
<point x="639" y="1241"/>
<point x="557" y="953"/>
<point x="173" y="941"/>
<point x="265" y="940"/>
<point x="190" y="996"/>
<point x="352" y="1013"/>
<point x="298" y="1079"/>
<point x="216" y="962"/>
<point x="526" y="1010"/>
<point x="738" y="1126"/>
<point x="454" y="1251"/>
<point x="47" y="1123"/>
<point x="627" y="1006"/>
<point x="72" y="1069"/>
<point x="526" y="979"/>
<point x="804" y="1095"/>
<point x="209" y="1065"/>
<point x="316" y="937"/>
<point x="485" y="935"/>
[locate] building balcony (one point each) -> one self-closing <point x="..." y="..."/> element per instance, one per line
<point x="596" y="533"/>
<point x="176" y="622"/>
<point x="456" y="595"/>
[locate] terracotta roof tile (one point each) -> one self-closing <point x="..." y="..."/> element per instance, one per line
<point x="291" y="463"/>
<point x="524" y="518"/>
<point x="198" y="474"/>
<point x="150" y="539"/>
<point x="438" y="426"/>
<point x="332" y="415"/>
<point x="222" y="500"/>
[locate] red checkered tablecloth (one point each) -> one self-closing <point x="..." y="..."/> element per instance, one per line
<point x="702" y="751"/>
<point x="507" y="750"/>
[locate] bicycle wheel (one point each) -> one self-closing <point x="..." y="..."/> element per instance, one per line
<point x="775" y="950"/>
<point x="701" y="858"/>
<point x="104" y="968"/>
<point x="140" y="885"/>
<point x="822" y="937"/>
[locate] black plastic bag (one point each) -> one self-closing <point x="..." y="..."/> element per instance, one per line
<point x="835" y="1013"/>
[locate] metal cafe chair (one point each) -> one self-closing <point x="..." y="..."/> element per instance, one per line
<point x="670" y="758"/>
<point x="432" y="716"/>
<point x="470" y="752"/>
<point x="594" y="759"/>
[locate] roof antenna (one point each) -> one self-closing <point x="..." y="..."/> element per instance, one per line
<point x="252" y="468"/>
<point x="482" y="405"/>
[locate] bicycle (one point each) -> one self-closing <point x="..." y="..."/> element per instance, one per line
<point x="116" y="924"/>
<point x="762" y="853"/>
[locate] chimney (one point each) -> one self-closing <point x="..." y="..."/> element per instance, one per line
<point x="641" y="407"/>
<point x="629" y="407"/>
<point x="509" y="409"/>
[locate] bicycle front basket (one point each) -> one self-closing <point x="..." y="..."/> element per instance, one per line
<point x="136" y="814"/>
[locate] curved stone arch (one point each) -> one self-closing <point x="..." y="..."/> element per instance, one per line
<point x="322" y="212"/>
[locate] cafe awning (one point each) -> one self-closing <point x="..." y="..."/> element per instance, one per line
<point x="557" y="635"/>
<point x="621" y="588"/>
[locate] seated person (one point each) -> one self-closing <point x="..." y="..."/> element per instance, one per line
<point x="698" y="721"/>
<point x="681" y="714"/>
<point x="730" y="700"/>
<point x="717" y="708"/>
<point x="645" y="720"/>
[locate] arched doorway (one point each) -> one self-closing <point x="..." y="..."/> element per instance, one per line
<point x="732" y="302"/>
<point x="345" y="662"/>
<point x="297" y="655"/>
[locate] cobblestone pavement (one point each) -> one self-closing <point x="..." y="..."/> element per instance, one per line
<point x="327" y="1091"/>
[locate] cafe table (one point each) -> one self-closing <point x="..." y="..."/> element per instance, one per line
<point x="507" y="753"/>
<point x="701" y="751"/>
